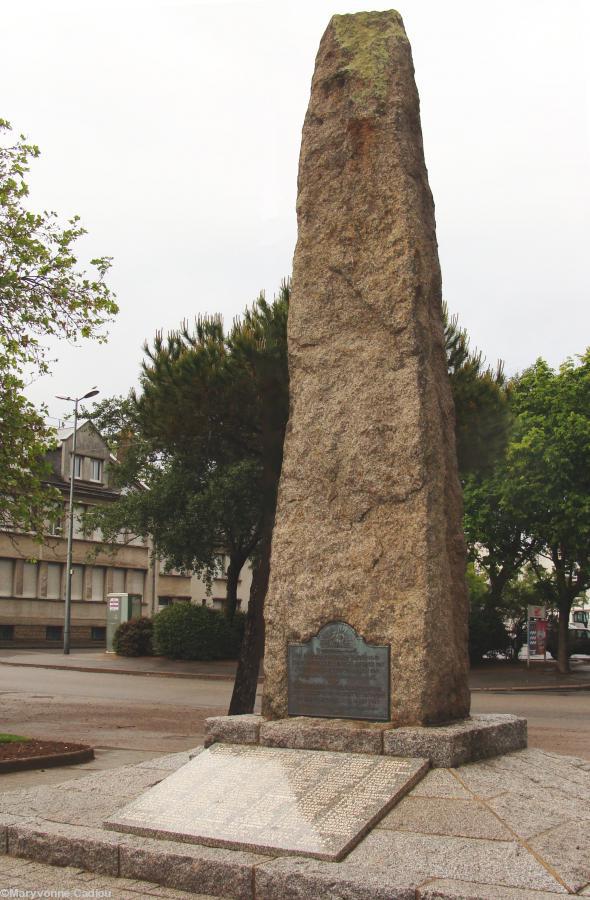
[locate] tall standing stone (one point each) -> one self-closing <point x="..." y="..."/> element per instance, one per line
<point x="368" y="527"/>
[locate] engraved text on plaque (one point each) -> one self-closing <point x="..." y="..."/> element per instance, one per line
<point x="336" y="674"/>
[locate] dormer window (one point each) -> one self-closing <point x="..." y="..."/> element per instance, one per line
<point x="96" y="469"/>
<point x="78" y="466"/>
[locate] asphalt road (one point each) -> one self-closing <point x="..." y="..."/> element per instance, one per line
<point x="131" y="718"/>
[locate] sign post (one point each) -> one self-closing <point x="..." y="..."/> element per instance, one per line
<point x="536" y="632"/>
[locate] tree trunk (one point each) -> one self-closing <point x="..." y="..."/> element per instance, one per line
<point x="233" y="576"/>
<point x="252" y="649"/>
<point x="563" y="661"/>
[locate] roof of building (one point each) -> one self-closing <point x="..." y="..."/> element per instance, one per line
<point x="64" y="433"/>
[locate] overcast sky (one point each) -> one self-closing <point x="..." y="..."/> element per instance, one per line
<point x="173" y="130"/>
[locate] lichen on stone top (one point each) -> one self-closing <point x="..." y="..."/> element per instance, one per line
<point x="366" y="39"/>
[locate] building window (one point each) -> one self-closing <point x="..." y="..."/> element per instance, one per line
<point x="97" y="583"/>
<point x="78" y="466"/>
<point x="6" y="574"/>
<point x="53" y="581"/>
<point x="77" y="582"/>
<point x="96" y="469"/>
<point x="53" y="632"/>
<point x="164" y="601"/>
<point x="55" y="525"/>
<point x="79" y="511"/>
<point x="98" y="633"/>
<point x="135" y="580"/>
<point x="118" y="581"/>
<point x="29" y="579"/>
<point x="6" y="632"/>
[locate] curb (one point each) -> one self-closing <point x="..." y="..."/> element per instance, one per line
<point x="70" y="758"/>
<point x="205" y="676"/>
<point x="543" y="688"/>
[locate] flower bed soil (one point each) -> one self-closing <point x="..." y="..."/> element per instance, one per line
<point x="33" y="754"/>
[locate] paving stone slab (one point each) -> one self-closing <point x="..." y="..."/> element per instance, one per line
<point x="416" y="857"/>
<point x="461" y="818"/>
<point x="449" y="889"/>
<point x="85" y="800"/>
<point x="308" y="802"/>
<point x="64" y="845"/>
<point x="441" y="783"/>
<point x="529" y="772"/>
<point x="187" y="867"/>
<point x="567" y="849"/>
<point x="307" y="879"/>
<point x="171" y="761"/>
<point x="305" y="733"/>
<point x="233" y="729"/>
<point x="529" y="815"/>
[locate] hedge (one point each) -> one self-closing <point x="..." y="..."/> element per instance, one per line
<point x="185" y="631"/>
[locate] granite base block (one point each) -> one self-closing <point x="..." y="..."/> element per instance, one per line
<point x="233" y="729"/>
<point x="447" y="746"/>
<point x="339" y="735"/>
<point x="305" y="879"/>
<point x="66" y="845"/>
<point x="202" y="870"/>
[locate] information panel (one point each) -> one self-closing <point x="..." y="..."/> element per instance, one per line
<point x="336" y="674"/>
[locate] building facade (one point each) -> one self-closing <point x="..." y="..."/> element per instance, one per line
<point x="33" y="575"/>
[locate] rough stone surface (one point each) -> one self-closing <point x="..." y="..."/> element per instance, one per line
<point x="453" y="745"/>
<point x="232" y="729"/>
<point x="223" y="873"/>
<point x="473" y="861"/>
<point x="66" y="845"/>
<point x="445" y="745"/>
<point x="306" y="879"/>
<point x="441" y="783"/>
<point x="414" y="857"/>
<point x="368" y="526"/>
<point x="459" y="818"/>
<point x="304" y="733"/>
<point x="38" y="879"/>
<point x="494" y="735"/>
<point x="449" y="889"/>
<point x="87" y="801"/>
<point x="567" y="848"/>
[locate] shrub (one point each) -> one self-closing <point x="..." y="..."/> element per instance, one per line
<point x="134" y="638"/>
<point x="185" y="631"/>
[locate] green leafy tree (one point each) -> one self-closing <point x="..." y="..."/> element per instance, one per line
<point x="487" y="631"/>
<point x="549" y="479"/>
<point x="207" y="430"/>
<point x="481" y="395"/>
<point x="498" y="541"/>
<point x="43" y="294"/>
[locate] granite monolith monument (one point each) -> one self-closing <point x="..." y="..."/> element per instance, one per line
<point x="368" y="527"/>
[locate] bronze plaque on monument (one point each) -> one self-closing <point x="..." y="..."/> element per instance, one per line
<point x="337" y="675"/>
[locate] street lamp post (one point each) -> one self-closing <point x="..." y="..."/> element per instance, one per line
<point x="68" y="606"/>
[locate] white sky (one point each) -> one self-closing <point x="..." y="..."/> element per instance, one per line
<point x="173" y="130"/>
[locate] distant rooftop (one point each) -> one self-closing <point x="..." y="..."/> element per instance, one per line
<point x="64" y="433"/>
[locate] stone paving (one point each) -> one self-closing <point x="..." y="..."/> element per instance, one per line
<point x="21" y="877"/>
<point x="514" y="827"/>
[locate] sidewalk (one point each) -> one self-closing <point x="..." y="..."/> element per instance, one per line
<point x="492" y="675"/>
<point x="97" y="661"/>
